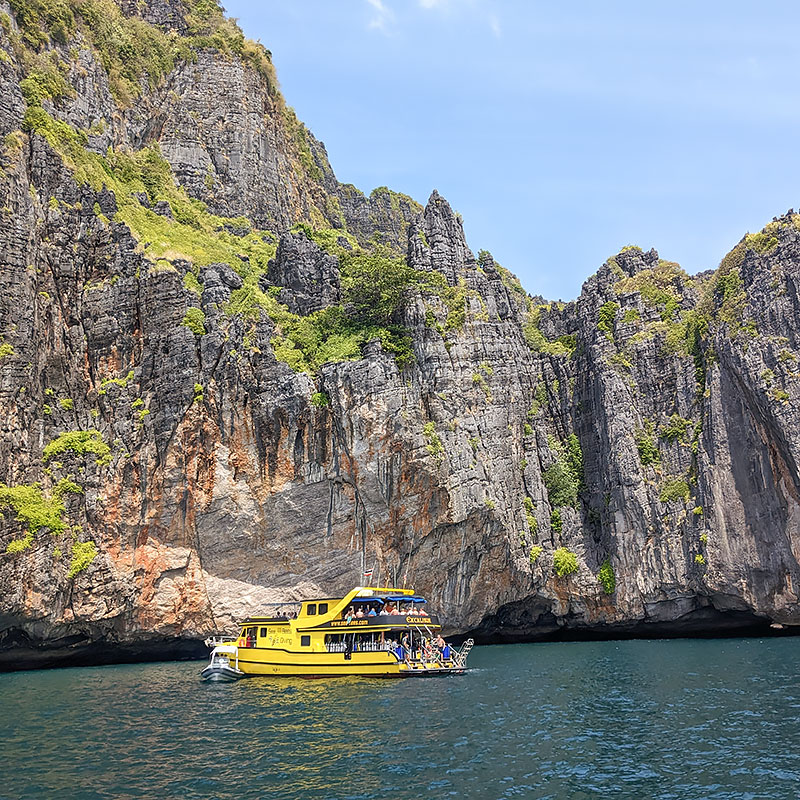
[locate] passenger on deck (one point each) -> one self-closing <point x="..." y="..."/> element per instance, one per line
<point x="360" y="613"/>
<point x="372" y="612"/>
<point x="349" y="616"/>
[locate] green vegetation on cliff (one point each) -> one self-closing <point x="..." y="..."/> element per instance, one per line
<point x="35" y="510"/>
<point x="80" y="443"/>
<point x="131" y="50"/>
<point x="563" y="479"/>
<point x="83" y="554"/>
<point x="565" y="562"/>
<point x="607" y="578"/>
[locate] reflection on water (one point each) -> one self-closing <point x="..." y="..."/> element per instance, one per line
<point x="669" y="720"/>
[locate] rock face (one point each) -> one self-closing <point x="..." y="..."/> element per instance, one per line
<point x="165" y="471"/>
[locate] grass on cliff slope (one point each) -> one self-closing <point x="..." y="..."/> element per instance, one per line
<point x="130" y="49"/>
<point x="376" y="285"/>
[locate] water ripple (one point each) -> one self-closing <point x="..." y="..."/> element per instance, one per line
<point x="678" y="720"/>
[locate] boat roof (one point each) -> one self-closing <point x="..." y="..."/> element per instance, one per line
<point x="360" y="594"/>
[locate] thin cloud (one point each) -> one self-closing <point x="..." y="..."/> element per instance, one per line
<point x="382" y="18"/>
<point x="494" y="25"/>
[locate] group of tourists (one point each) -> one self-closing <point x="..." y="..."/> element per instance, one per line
<point x="376" y="610"/>
<point x="422" y="649"/>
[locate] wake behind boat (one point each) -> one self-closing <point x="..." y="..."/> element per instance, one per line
<point x="380" y="632"/>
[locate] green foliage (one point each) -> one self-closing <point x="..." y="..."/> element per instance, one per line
<point x="648" y="452"/>
<point x="762" y="243"/>
<point x="80" y="443"/>
<point x="34" y="509"/>
<point x="674" y="489"/>
<point x="320" y="400"/>
<point x="699" y="559"/>
<point x="192" y="284"/>
<point x="137" y="403"/>
<point x="539" y="399"/>
<point x="83" y="554"/>
<point x="698" y="511"/>
<point x="6" y="350"/>
<point x="564" y="477"/>
<point x="473" y="443"/>
<point x="490" y="504"/>
<point x="565" y="562"/>
<point x="606" y="318"/>
<point x="194" y="320"/>
<point x="299" y="134"/>
<point x="66" y="403"/>
<point x="378" y="286"/>
<point x="533" y="523"/>
<point x="121" y="382"/>
<point x="658" y="287"/>
<point x="66" y="486"/>
<point x="132" y="51"/>
<point x="556" y="523"/>
<point x="193" y="234"/>
<point x="607" y="578"/>
<point x="18" y="545"/>
<point x="703" y="538"/>
<point x="433" y="442"/>
<point x="562" y="346"/>
<point x="631" y="315"/>
<point x="527" y="430"/>
<point x="674" y="430"/>
<point x="574" y="455"/>
<point x="727" y="297"/>
<point x="479" y="380"/>
<point x="534" y="554"/>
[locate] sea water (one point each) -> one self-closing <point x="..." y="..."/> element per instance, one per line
<point x="673" y="720"/>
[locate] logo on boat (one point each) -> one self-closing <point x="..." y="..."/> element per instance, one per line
<point x="339" y="622"/>
<point x="418" y="620"/>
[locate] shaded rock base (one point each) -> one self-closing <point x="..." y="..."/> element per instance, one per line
<point x="19" y="652"/>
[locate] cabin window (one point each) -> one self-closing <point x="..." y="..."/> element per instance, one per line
<point x="263" y="632"/>
<point x="323" y="608"/>
<point x="305" y="641"/>
<point x="311" y="609"/>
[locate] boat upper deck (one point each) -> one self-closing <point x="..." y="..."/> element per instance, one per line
<point x="363" y="608"/>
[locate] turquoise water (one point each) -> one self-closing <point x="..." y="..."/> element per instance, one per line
<point x="682" y="720"/>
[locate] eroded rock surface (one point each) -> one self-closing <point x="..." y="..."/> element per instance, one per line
<point x="651" y="425"/>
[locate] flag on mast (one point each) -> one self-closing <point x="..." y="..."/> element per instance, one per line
<point x="367" y="575"/>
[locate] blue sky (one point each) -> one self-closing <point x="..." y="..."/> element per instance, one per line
<point x="561" y="131"/>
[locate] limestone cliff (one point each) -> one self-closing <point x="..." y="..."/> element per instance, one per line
<point x="226" y="379"/>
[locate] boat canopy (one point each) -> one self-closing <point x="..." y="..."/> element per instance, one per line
<point x="392" y="598"/>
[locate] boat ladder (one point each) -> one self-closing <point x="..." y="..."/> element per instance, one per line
<point x="461" y="655"/>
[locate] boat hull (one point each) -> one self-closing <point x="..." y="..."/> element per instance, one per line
<point x="380" y="664"/>
<point x="215" y="673"/>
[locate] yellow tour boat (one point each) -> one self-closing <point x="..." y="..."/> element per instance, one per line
<point x="379" y="632"/>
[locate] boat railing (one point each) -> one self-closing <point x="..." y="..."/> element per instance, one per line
<point x="213" y="641"/>
<point x="357" y="647"/>
<point x="460" y="656"/>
